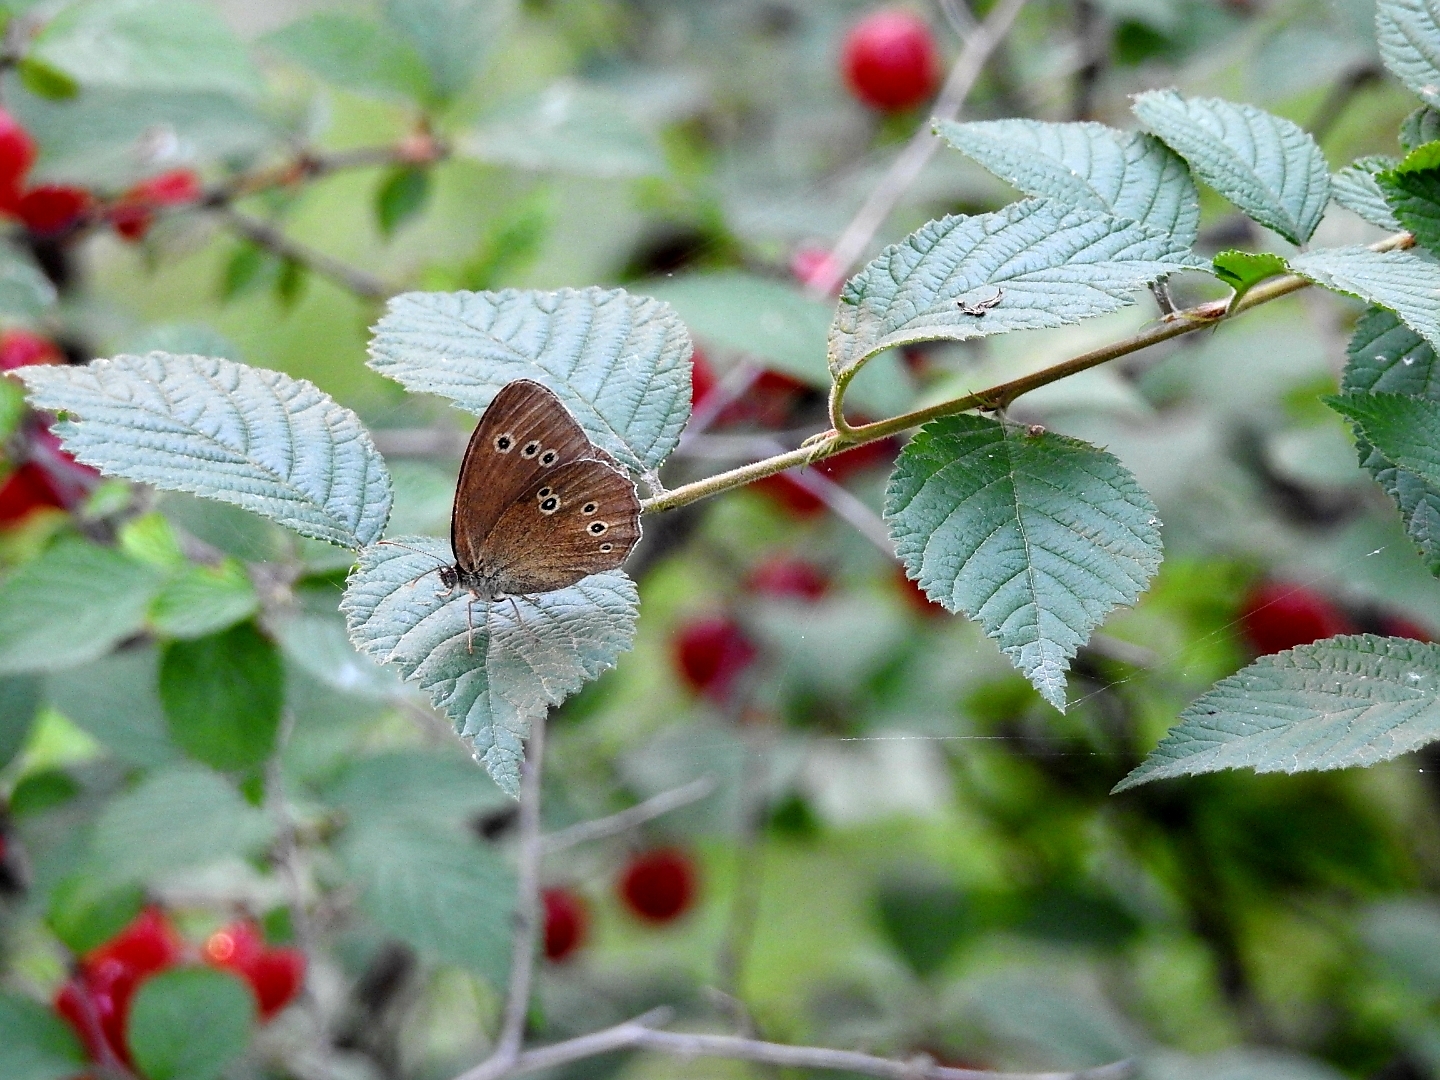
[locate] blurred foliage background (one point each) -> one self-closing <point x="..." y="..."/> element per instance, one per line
<point x="901" y="848"/>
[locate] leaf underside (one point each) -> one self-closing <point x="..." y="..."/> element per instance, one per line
<point x="621" y="363"/>
<point x="1054" y="265"/>
<point x="1268" y="167"/>
<point x="1035" y="536"/>
<point x="1408" y="32"/>
<point x="1334" y="704"/>
<point x="1398" y="280"/>
<point x="493" y="680"/>
<point x="1354" y="187"/>
<point x="259" y="439"/>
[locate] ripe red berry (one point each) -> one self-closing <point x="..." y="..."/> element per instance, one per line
<point x="26" y="489"/>
<point x="702" y="378"/>
<point x="275" y="975"/>
<point x="21" y="348"/>
<point x="134" y="212"/>
<point x="659" y="885"/>
<point x="787" y="578"/>
<point x="712" y="654"/>
<point x="17" y="151"/>
<point x="890" y="60"/>
<point x="567" y="923"/>
<point x="51" y="209"/>
<point x="1277" y="616"/>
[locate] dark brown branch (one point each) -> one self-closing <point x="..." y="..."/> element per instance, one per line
<point x="267" y="236"/>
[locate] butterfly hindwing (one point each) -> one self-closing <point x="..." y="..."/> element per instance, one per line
<point x="579" y="519"/>
<point x="525" y="432"/>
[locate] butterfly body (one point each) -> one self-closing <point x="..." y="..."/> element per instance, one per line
<point x="538" y="506"/>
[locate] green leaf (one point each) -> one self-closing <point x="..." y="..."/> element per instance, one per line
<point x="38" y="1045"/>
<point x="203" y="600"/>
<point x="1050" y="264"/>
<point x="1268" y="167"/>
<point x="568" y="128"/>
<point x="1404" y="934"/>
<point x="1412" y="190"/>
<point x="1090" y="166"/>
<point x="146" y="45"/>
<point x="1398" y="280"/>
<point x="1409" y="35"/>
<point x="45" y="81"/>
<point x="621" y="363"/>
<point x="1420" y="127"/>
<point x="355" y="53"/>
<point x="1243" y="270"/>
<point x="413" y="784"/>
<point x="71" y="605"/>
<point x="1345" y="701"/>
<point x="1035" y="536"/>
<point x="116" y="700"/>
<point x="452" y="37"/>
<point x="85" y="913"/>
<point x="1405" y="429"/>
<point x="176" y="819"/>
<point x="20" y="697"/>
<point x="1354" y="187"/>
<point x="245" y="270"/>
<point x="26" y="294"/>
<point x="223" y="695"/>
<point x="403" y="194"/>
<point x="255" y="438"/>
<point x="780" y="326"/>
<point x="318" y="644"/>
<point x="188" y="1024"/>
<point x="436" y="889"/>
<point x="564" y="639"/>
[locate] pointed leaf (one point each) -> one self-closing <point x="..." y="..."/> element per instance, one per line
<point x="1398" y="280"/>
<point x="1243" y="270"/>
<point x="1345" y="701"/>
<point x="403" y="195"/>
<point x="1409" y="35"/>
<point x="1050" y="265"/>
<point x="1268" y="167"/>
<point x="1034" y="535"/>
<point x="243" y="435"/>
<point x="1354" y="187"/>
<point x="38" y="1045"/>
<point x="1412" y="190"/>
<point x="356" y="53"/>
<point x="1090" y="166"/>
<point x="621" y="363"/>
<point x="188" y="1024"/>
<point x="492" y="681"/>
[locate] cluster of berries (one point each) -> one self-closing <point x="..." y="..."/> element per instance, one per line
<point x="49" y="210"/>
<point x="96" y="999"/>
<point x="656" y="886"/>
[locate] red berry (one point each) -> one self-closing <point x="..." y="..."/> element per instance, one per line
<point x="783" y="578"/>
<point x="567" y="921"/>
<point x="1277" y="616"/>
<point x="134" y="212"/>
<point x="659" y="885"/>
<point x="811" y="264"/>
<point x="27" y="488"/>
<point x="914" y="595"/>
<point x="712" y="654"/>
<point x="702" y="378"/>
<point x="890" y="60"/>
<point x="275" y="975"/>
<point x="17" y="151"/>
<point x="21" y="348"/>
<point x="53" y="208"/>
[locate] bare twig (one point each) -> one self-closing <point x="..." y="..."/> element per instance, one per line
<point x="527" y="898"/>
<point x="628" y="819"/>
<point x="272" y="239"/>
<point x="912" y="160"/>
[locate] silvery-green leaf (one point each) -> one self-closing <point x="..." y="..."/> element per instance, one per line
<point x="1409" y="36"/>
<point x="71" y="605"/>
<point x="568" y="128"/>
<point x="492" y="680"/>
<point x="165" y="45"/>
<point x="1035" y="536"/>
<point x="354" y="52"/>
<point x="38" y="1045"/>
<point x="177" y="818"/>
<point x="1268" y="167"/>
<point x="620" y="363"/>
<point x="20" y="699"/>
<point x="25" y="292"/>
<point x="117" y="702"/>
<point x="1420" y="127"/>
<point x="1354" y="188"/>
<point x="453" y="37"/>
<point x="1398" y="280"/>
<point x="255" y="438"/>
<point x="1087" y="165"/>
<point x="1051" y="265"/>
<point x="1341" y="702"/>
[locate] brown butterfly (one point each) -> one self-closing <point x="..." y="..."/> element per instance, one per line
<point x="538" y="506"/>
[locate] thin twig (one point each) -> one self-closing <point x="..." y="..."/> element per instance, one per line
<point x="272" y="239"/>
<point x="527" y="897"/>
<point x="628" y="819"/>
<point x="912" y="160"/>
<point x="960" y="17"/>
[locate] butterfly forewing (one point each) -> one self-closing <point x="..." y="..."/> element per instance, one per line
<point x="579" y="519"/>
<point x="525" y="433"/>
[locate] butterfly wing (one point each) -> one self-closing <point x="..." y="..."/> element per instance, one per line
<point x="579" y="519"/>
<point x="525" y="432"/>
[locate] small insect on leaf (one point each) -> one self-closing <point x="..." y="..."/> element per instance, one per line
<point x="979" y="308"/>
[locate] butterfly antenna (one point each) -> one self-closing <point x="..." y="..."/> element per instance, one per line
<point x="418" y="551"/>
